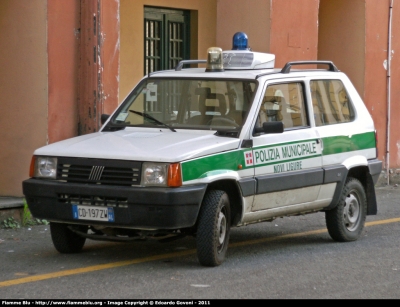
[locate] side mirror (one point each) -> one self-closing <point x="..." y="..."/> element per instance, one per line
<point x="104" y="118"/>
<point x="270" y="127"/>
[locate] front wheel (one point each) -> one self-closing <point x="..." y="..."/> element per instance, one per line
<point x="213" y="230"/>
<point x="346" y="221"/>
<point x="65" y="240"/>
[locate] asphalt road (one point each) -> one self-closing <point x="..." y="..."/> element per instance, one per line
<point x="289" y="258"/>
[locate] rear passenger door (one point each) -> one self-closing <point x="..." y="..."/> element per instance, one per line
<point x="288" y="165"/>
<point x="335" y="120"/>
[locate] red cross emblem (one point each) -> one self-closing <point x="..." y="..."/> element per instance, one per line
<point x="248" y="156"/>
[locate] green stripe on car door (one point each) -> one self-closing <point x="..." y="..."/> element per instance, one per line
<point x="219" y="163"/>
<point x="338" y="144"/>
<point x="230" y="161"/>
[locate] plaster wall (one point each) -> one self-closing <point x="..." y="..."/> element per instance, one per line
<point x="342" y="38"/>
<point x="99" y="62"/>
<point x="23" y="88"/>
<point x="395" y="90"/>
<point x="294" y="30"/>
<point x="275" y="26"/>
<point x="63" y="35"/>
<point x="111" y="50"/>
<point x="249" y="16"/>
<point x="131" y="34"/>
<point x="375" y="89"/>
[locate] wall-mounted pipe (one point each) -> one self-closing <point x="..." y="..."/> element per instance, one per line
<point x="389" y="58"/>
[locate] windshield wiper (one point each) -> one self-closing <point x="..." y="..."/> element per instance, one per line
<point x="153" y="119"/>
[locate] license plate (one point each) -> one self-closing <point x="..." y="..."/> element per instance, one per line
<point x="104" y="214"/>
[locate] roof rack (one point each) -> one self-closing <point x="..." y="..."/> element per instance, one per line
<point x="183" y="62"/>
<point x="288" y="65"/>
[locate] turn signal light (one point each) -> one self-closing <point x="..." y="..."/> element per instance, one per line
<point x="174" y="175"/>
<point x="32" y="167"/>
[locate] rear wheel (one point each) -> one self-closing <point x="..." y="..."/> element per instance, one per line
<point x="212" y="237"/>
<point x="346" y="221"/>
<point x="65" y="240"/>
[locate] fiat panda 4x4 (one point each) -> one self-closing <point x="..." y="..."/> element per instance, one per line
<point x="197" y="151"/>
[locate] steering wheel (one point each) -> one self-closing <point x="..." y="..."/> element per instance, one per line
<point x="222" y="121"/>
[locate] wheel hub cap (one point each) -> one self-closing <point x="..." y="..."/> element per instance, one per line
<point x="221" y="228"/>
<point x="351" y="212"/>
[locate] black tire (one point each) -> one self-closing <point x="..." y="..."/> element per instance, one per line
<point x="213" y="230"/>
<point x="66" y="241"/>
<point x="346" y="221"/>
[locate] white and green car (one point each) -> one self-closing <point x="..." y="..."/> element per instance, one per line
<point x="196" y="151"/>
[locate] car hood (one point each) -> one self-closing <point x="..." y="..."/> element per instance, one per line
<point x="142" y="145"/>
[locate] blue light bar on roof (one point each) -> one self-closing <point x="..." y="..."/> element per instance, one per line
<point x="240" y="41"/>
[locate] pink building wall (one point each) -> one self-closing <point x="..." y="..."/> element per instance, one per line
<point x="395" y="89"/>
<point x="63" y="41"/>
<point x="23" y="88"/>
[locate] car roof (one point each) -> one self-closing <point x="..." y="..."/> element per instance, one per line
<point x="239" y="73"/>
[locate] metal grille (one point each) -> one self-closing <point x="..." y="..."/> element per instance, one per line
<point x="175" y="43"/>
<point x="152" y="45"/>
<point x="95" y="171"/>
<point x="76" y="199"/>
<point x="166" y="37"/>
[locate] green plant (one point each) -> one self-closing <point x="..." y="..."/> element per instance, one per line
<point x="29" y="220"/>
<point x="26" y="215"/>
<point x="34" y="221"/>
<point x="10" y="223"/>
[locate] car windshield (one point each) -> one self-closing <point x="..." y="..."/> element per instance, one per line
<point x="220" y="105"/>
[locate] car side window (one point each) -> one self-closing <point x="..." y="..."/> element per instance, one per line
<point x="284" y="102"/>
<point x="331" y="102"/>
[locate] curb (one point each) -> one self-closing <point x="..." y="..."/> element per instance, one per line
<point x="11" y="202"/>
<point x="11" y="207"/>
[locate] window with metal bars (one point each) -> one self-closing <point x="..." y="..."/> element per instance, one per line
<point x="166" y="37"/>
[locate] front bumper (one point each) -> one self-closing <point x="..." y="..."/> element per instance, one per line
<point x="135" y="207"/>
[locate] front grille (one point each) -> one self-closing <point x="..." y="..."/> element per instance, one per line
<point x="76" y="199"/>
<point x="97" y="171"/>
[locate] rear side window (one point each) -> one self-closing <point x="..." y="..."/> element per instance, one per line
<point x="331" y="102"/>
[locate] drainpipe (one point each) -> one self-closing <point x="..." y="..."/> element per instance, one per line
<point x="389" y="57"/>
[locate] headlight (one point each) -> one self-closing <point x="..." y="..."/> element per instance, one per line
<point x="161" y="174"/>
<point x="45" y="167"/>
<point x="155" y="173"/>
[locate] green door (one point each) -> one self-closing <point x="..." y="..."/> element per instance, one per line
<point x="166" y="37"/>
